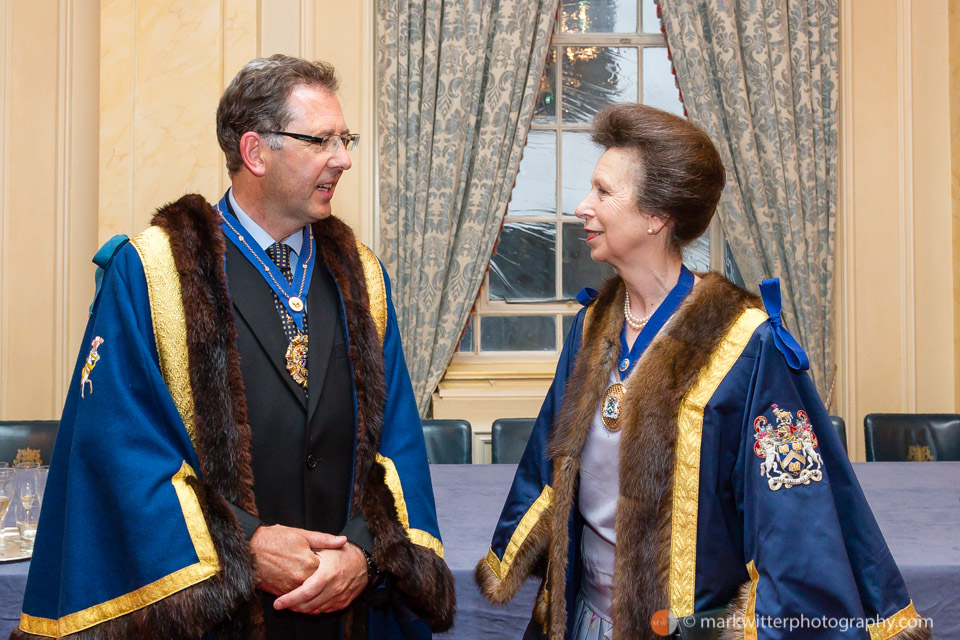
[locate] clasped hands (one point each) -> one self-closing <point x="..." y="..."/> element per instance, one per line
<point x="312" y="572"/>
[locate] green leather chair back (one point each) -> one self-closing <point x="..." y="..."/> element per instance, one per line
<point x="37" y="435"/>
<point x="448" y="441"/>
<point x="918" y="437"/>
<point x="841" y="428"/>
<point x="510" y="437"/>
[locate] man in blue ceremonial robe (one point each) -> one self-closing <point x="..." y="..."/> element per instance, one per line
<point x="240" y="453"/>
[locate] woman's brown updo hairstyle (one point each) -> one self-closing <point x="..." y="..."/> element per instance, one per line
<point x="679" y="175"/>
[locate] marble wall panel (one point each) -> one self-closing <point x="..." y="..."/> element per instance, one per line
<point x="898" y="297"/>
<point x="47" y="214"/>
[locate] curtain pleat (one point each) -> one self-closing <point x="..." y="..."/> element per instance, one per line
<point x="760" y="77"/>
<point x="458" y="82"/>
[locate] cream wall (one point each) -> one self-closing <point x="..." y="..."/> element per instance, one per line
<point x="897" y="245"/>
<point x="48" y="196"/>
<point x="163" y="68"/>
<point x="107" y="112"/>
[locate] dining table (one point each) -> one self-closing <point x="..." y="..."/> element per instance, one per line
<point x="917" y="505"/>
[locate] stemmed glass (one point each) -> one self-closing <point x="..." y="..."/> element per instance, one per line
<point x="7" y="478"/>
<point x="28" y="507"/>
<point x="42" y="472"/>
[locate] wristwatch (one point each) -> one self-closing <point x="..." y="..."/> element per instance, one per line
<point x="374" y="576"/>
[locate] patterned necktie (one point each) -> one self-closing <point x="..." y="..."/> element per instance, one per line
<point x="280" y="254"/>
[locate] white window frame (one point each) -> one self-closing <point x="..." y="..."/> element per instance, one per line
<point x="484" y="364"/>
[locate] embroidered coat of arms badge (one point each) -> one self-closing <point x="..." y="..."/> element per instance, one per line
<point x="788" y="450"/>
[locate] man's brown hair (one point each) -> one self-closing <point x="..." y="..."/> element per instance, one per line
<point x="256" y="100"/>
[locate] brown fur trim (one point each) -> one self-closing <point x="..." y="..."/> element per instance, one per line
<point x="220" y="413"/>
<point x="337" y="249"/>
<point x="736" y="614"/>
<point x="541" y="608"/>
<point x="422" y="576"/>
<point x="584" y="389"/>
<point x="665" y="373"/>
<point x="919" y="632"/>
<point x="528" y="560"/>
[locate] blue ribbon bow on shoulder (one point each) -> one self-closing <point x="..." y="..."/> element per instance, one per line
<point x="586" y="296"/>
<point x="792" y="351"/>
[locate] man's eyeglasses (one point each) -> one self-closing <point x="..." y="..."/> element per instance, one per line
<point x="326" y="143"/>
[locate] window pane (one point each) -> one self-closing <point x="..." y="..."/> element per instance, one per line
<point x="545" y="111"/>
<point x="598" y="16"/>
<point x="579" y="270"/>
<point x="567" y="323"/>
<point x="518" y="333"/>
<point x="594" y="77"/>
<point x="580" y="157"/>
<point x="730" y="268"/>
<point x="524" y="268"/>
<point x="659" y="86"/>
<point x="697" y="254"/>
<point x="535" y="192"/>
<point x="651" y="23"/>
<point x="466" y="342"/>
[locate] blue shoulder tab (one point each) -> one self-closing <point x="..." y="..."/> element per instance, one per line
<point x="102" y="258"/>
<point x="792" y="351"/>
<point x="586" y="296"/>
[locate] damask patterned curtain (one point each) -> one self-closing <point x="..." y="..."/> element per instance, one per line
<point x="458" y="80"/>
<point x="760" y="76"/>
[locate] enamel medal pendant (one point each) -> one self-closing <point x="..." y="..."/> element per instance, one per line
<point x="610" y="410"/>
<point x="296" y="357"/>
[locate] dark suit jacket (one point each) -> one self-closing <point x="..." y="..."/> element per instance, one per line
<point x="302" y="443"/>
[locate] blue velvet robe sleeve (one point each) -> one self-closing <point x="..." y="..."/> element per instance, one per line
<point x="403" y="454"/>
<point x="814" y="550"/>
<point x="532" y="483"/>
<point x="113" y="521"/>
<point x="401" y="441"/>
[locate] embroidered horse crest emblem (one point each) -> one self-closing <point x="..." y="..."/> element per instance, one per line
<point x="788" y="450"/>
<point x="92" y="358"/>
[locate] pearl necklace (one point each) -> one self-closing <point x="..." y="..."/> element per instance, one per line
<point x="632" y="320"/>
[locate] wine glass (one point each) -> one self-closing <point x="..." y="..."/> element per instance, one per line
<point x="7" y="484"/>
<point x="27" y="483"/>
<point x="27" y="507"/>
<point x="27" y="520"/>
<point x="42" y="472"/>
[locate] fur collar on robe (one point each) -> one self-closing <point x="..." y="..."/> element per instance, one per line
<point x="227" y="604"/>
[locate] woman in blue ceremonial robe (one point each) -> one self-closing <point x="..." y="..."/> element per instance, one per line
<point x="683" y="477"/>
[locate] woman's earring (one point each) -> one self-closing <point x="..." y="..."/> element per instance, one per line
<point x="650" y="230"/>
